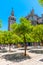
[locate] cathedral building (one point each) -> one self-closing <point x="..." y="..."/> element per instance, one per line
<point x="11" y="20"/>
<point x="35" y="19"/>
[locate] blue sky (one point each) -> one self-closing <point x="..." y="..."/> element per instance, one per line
<point x="21" y="8"/>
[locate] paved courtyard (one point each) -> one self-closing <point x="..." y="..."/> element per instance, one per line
<point x="35" y="59"/>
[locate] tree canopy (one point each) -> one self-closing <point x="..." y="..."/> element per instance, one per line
<point x="40" y="2"/>
<point x="37" y="33"/>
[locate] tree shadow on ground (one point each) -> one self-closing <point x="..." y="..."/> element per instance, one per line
<point x="41" y="60"/>
<point x="17" y="57"/>
<point x="36" y="51"/>
<point x="3" y="50"/>
<point x="24" y="49"/>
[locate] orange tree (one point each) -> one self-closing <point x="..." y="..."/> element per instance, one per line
<point x="37" y="33"/>
<point x="10" y="38"/>
<point x="21" y="29"/>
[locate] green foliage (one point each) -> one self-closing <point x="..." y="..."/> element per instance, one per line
<point x="40" y="2"/>
<point x="23" y="28"/>
<point x="7" y="37"/>
<point x="29" y="37"/>
<point x="16" y="39"/>
<point x="37" y="33"/>
<point x="14" y="27"/>
<point x="1" y="36"/>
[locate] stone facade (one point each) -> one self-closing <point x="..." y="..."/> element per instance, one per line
<point x="35" y="19"/>
<point x="11" y="19"/>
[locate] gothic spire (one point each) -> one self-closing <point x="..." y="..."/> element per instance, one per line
<point x="12" y="12"/>
<point x="32" y="12"/>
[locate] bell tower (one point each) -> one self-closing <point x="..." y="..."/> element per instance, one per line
<point x="11" y="19"/>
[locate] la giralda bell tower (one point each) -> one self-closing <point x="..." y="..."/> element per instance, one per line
<point x="11" y="19"/>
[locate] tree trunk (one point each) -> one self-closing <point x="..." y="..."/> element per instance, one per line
<point x="25" y="45"/>
<point x="9" y="47"/>
<point x="42" y="42"/>
<point x="25" y="49"/>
